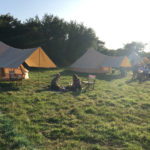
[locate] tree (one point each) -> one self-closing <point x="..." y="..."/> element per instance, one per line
<point x="9" y="28"/>
<point x="63" y="41"/>
<point x="128" y="48"/>
<point x="134" y="46"/>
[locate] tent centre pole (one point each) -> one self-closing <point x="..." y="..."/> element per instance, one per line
<point x="39" y="68"/>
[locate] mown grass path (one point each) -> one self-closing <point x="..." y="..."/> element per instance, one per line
<point x="114" y="116"/>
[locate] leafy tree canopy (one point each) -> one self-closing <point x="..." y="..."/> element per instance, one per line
<point x="63" y="41"/>
<point x="135" y="46"/>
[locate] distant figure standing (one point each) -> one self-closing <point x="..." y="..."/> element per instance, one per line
<point x="140" y="74"/>
<point x="54" y="84"/>
<point x="135" y="72"/>
<point x="146" y="72"/>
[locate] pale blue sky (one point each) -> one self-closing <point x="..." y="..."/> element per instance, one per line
<point x="24" y="9"/>
<point x="116" y="22"/>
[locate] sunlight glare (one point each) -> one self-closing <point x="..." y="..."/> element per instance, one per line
<point x="116" y="22"/>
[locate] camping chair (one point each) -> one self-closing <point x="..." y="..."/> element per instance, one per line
<point x="90" y="82"/>
<point x="12" y="76"/>
<point x="15" y="77"/>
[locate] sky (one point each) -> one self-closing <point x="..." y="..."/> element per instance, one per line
<point x="116" y="22"/>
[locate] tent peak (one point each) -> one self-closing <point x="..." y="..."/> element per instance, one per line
<point x="11" y="57"/>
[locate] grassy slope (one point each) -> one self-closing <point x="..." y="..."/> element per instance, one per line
<point x="116" y="115"/>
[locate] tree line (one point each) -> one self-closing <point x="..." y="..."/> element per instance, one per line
<point x="63" y="42"/>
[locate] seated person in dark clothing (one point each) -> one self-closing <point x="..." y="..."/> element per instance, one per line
<point x="54" y="84"/>
<point x="76" y="84"/>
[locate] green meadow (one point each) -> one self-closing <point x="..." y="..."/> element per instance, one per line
<point x="113" y="116"/>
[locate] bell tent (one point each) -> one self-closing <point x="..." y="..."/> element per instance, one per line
<point x="95" y="62"/>
<point x="11" y="59"/>
<point x="146" y="60"/>
<point x="135" y="59"/>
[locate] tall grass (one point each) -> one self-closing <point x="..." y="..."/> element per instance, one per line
<point x="115" y="115"/>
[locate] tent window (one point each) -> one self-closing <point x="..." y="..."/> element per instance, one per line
<point x="2" y="72"/>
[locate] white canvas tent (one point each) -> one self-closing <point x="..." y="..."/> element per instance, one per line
<point x="146" y="60"/>
<point x="95" y="62"/>
<point x="11" y="59"/>
<point x="134" y="58"/>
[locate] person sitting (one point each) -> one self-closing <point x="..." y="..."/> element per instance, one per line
<point x="76" y="85"/>
<point x="54" y="84"/>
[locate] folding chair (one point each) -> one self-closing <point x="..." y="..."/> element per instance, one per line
<point x="12" y="76"/>
<point x="15" y="77"/>
<point x="90" y="82"/>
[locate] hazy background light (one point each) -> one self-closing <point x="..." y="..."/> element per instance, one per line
<point x="116" y="22"/>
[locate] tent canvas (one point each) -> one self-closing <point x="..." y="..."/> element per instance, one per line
<point x="39" y="59"/>
<point x="146" y="60"/>
<point x="5" y="72"/>
<point x="95" y="62"/>
<point x="135" y="59"/>
<point x="90" y="63"/>
<point x="12" y="58"/>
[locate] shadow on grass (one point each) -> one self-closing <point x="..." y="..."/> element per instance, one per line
<point x="42" y="69"/>
<point x="47" y="88"/>
<point x="140" y="81"/>
<point x="130" y="81"/>
<point x="76" y="93"/>
<point x="8" y="87"/>
<point x="100" y="76"/>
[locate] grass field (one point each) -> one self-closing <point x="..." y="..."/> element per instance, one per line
<point x="114" y="116"/>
